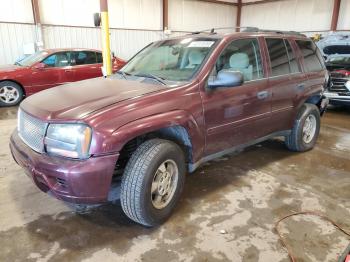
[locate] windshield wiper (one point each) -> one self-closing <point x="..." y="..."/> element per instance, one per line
<point x="124" y="74"/>
<point x="149" y="75"/>
<point x="18" y="63"/>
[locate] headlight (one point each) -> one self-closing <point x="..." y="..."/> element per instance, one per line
<point x="69" y="140"/>
<point x="347" y="85"/>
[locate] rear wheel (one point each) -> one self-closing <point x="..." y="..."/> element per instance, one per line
<point x="305" y="130"/>
<point x="153" y="181"/>
<point x="10" y="93"/>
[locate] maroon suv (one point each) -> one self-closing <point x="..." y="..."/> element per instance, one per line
<point x="176" y="104"/>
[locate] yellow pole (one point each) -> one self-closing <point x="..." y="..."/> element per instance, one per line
<point x="106" y="49"/>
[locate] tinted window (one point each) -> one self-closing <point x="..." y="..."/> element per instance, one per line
<point x="312" y="57"/>
<point x="278" y="57"/>
<point x="84" y="58"/>
<point x="58" y="60"/>
<point x="294" y="66"/>
<point x="99" y="58"/>
<point x="241" y="55"/>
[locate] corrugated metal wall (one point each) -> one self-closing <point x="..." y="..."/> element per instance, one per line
<point x="298" y="15"/>
<point x="189" y="15"/>
<point x="12" y="39"/>
<point x="140" y="21"/>
<point x="124" y="42"/>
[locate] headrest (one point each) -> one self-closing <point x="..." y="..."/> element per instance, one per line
<point x="239" y="60"/>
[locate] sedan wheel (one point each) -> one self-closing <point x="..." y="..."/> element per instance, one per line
<point x="10" y="93"/>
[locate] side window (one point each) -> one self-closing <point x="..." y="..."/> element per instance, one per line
<point x="241" y="55"/>
<point x="84" y="58"/>
<point x="99" y="58"/>
<point x="278" y="56"/>
<point x="57" y="60"/>
<point x="312" y="58"/>
<point x="294" y="66"/>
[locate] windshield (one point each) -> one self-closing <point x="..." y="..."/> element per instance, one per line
<point x="32" y="59"/>
<point x="172" y="60"/>
<point x="341" y="60"/>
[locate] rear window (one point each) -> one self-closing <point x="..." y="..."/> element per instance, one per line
<point x="278" y="56"/>
<point x="313" y="60"/>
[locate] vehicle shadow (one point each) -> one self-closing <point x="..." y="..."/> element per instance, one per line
<point x="107" y="226"/>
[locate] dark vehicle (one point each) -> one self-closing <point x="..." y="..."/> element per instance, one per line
<point x="336" y="50"/>
<point x="176" y="104"/>
<point x="338" y="90"/>
<point x="49" y="68"/>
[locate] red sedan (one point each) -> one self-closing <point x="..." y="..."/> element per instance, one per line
<point x="49" y="68"/>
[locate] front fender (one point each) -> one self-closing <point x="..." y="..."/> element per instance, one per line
<point x="149" y="124"/>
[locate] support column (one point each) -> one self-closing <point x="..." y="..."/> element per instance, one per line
<point x="165" y="15"/>
<point x="106" y="48"/>
<point x="239" y="14"/>
<point x="335" y="15"/>
<point x="38" y="28"/>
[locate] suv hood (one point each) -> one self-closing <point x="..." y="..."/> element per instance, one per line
<point x="78" y="100"/>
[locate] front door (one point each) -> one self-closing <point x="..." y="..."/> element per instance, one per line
<point x="53" y="74"/>
<point x="236" y="115"/>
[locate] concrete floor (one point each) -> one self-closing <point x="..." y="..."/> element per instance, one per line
<point x="242" y="195"/>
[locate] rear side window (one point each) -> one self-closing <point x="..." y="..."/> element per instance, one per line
<point x="99" y="58"/>
<point x="312" y="58"/>
<point x="278" y="56"/>
<point x="84" y="58"/>
<point x="294" y="66"/>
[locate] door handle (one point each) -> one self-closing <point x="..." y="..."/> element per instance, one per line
<point x="301" y="86"/>
<point x="262" y="94"/>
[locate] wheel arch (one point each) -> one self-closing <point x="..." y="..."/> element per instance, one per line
<point x="177" y="126"/>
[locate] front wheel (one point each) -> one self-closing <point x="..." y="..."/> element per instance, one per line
<point x="153" y="181"/>
<point x="305" y="130"/>
<point x="10" y="93"/>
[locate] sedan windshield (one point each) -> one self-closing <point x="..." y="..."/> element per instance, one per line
<point x="34" y="58"/>
<point x="170" y="60"/>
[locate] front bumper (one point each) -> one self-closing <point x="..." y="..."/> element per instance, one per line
<point x="76" y="181"/>
<point x="336" y="99"/>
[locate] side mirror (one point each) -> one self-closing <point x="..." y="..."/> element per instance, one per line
<point x="40" y="66"/>
<point x="226" y="78"/>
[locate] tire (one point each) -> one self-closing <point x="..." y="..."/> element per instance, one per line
<point x="11" y="94"/>
<point x="148" y="169"/>
<point x="304" y="135"/>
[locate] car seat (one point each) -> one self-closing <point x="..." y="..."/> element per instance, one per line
<point x="240" y="62"/>
<point x="195" y="58"/>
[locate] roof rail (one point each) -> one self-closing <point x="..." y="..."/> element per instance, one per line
<point x="248" y="29"/>
<point x="255" y="29"/>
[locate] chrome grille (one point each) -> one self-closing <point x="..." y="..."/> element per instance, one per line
<point x="31" y="130"/>
<point x="338" y="83"/>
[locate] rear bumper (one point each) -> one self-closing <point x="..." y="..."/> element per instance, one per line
<point x="336" y="99"/>
<point x="81" y="182"/>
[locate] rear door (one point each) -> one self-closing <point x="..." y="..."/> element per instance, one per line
<point x="53" y="74"/>
<point x="286" y="80"/>
<point x="85" y="65"/>
<point x="237" y="115"/>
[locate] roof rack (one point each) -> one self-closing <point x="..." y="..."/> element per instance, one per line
<point x="255" y="29"/>
<point x="248" y="29"/>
